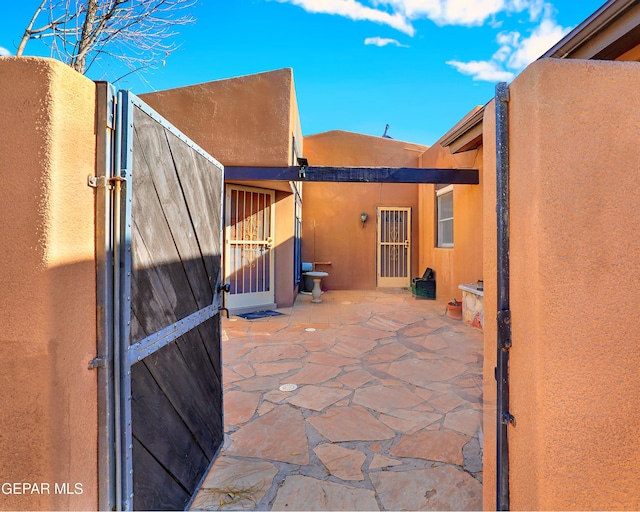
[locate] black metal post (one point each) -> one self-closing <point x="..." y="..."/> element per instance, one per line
<point x="504" y="314"/>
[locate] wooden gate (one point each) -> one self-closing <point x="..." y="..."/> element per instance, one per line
<point x="167" y="226"/>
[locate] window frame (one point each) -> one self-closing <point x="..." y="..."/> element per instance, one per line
<point x="448" y="189"/>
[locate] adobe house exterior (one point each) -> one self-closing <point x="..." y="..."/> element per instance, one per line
<point x="460" y="261"/>
<point x="332" y="231"/>
<point x="253" y="121"/>
<point x="575" y="270"/>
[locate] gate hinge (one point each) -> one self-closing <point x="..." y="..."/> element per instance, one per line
<point x="504" y="329"/>
<point x="98" y="181"/>
<point x="508" y="418"/>
<point x="98" y="362"/>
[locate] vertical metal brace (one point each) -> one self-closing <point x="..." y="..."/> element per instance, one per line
<point x="122" y="293"/>
<point x="106" y="101"/>
<point x="504" y="314"/>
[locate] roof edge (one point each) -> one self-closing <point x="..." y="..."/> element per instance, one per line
<point x="392" y="140"/>
<point x="464" y="127"/>
<point x="589" y="28"/>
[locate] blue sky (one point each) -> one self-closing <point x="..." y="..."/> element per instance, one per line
<point x="417" y="65"/>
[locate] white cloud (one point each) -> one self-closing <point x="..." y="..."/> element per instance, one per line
<point x="356" y="11"/>
<point x="543" y="37"/>
<point x="399" y="14"/>
<point x="383" y="41"/>
<point x="462" y="12"/>
<point x="449" y="12"/>
<point x="4" y="52"/>
<point x="515" y="52"/>
<point x="486" y="70"/>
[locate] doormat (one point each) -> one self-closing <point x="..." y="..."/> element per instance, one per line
<point x="259" y="314"/>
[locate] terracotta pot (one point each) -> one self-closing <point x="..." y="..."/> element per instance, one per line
<point x="455" y="310"/>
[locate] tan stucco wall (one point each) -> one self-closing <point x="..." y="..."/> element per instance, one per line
<point x="489" y="258"/>
<point x="48" y="424"/>
<point x="575" y="276"/>
<point x="239" y="121"/>
<point x="463" y="262"/>
<point x="331" y="229"/>
<point x="285" y="291"/>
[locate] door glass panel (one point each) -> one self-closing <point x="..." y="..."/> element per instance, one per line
<point x="393" y="235"/>
<point x="249" y="254"/>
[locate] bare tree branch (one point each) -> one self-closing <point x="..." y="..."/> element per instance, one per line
<point x="28" y="31"/>
<point x="136" y="33"/>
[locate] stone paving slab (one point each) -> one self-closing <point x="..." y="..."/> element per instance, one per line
<point x="350" y="424"/>
<point x="278" y="435"/>
<point x="386" y="414"/>
<point x="304" y="493"/>
<point x="235" y="485"/>
<point x="442" y="488"/>
<point x="341" y="462"/>
<point x="317" y="398"/>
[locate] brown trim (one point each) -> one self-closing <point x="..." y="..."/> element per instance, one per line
<point x="598" y="36"/>
<point x="354" y="174"/>
<point x="465" y="135"/>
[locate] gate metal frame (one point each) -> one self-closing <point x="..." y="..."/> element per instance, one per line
<point x="116" y="355"/>
<point x="104" y="361"/>
<point x="503" y="318"/>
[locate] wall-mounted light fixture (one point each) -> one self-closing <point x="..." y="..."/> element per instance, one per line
<point x="303" y="163"/>
<point x="363" y="218"/>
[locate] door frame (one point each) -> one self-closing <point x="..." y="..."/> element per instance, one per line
<point x="396" y="281"/>
<point x="252" y="301"/>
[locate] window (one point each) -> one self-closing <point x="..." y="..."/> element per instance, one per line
<point x="444" y="209"/>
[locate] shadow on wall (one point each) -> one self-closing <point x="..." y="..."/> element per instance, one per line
<point x="49" y="396"/>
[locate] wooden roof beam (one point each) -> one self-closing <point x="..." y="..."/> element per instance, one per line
<point x="354" y="174"/>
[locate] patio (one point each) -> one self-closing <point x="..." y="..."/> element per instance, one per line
<point x="386" y="414"/>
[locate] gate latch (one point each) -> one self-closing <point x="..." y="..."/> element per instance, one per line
<point x="103" y="181"/>
<point x="97" y="181"/>
<point x="508" y="418"/>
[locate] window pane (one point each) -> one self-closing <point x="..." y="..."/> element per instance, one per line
<point x="445" y="206"/>
<point x="445" y="233"/>
<point x="445" y="220"/>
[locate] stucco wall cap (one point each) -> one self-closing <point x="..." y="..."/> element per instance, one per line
<point x="272" y="74"/>
<point x="345" y="134"/>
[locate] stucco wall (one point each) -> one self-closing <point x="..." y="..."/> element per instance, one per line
<point x="285" y="291"/>
<point x="331" y="229"/>
<point x="48" y="424"/>
<point x="461" y="263"/>
<point x="489" y="259"/>
<point x="239" y="121"/>
<point x="575" y="275"/>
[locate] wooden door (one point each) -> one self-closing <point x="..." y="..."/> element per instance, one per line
<point x="394" y="246"/>
<point x="249" y="262"/>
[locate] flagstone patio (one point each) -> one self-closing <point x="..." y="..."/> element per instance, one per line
<point x="386" y="414"/>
